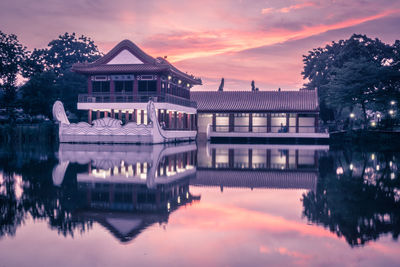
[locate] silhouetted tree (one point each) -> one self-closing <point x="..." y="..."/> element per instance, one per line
<point x="330" y="67"/>
<point x="12" y="56"/>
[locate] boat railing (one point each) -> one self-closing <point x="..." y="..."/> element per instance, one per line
<point x="132" y="98"/>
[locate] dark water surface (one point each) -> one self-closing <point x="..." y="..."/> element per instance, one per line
<point x="198" y="205"/>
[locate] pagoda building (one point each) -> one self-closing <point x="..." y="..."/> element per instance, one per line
<point x="121" y="83"/>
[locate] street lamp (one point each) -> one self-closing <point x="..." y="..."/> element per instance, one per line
<point x="392" y="102"/>
<point x="391" y="112"/>
<point x="352" y="115"/>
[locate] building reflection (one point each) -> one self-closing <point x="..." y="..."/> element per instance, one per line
<point x="128" y="188"/>
<point x="258" y="166"/>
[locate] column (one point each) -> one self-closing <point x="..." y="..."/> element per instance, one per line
<point x="231" y="127"/>
<point x="112" y="114"/>
<point x="213" y="158"/>
<point x="135" y="87"/>
<point x="250" y="158"/>
<point x="90" y="116"/>
<point x="158" y="85"/>
<point x="297" y="123"/>
<point x="316" y="123"/>
<point x="120" y="114"/>
<point x="250" y="122"/>
<point x="141" y="116"/>
<point x="159" y="116"/>
<point x="89" y="85"/>
<point x="214" y="122"/>
<point x="175" y="119"/>
<point x="268" y="159"/>
<point x="98" y="114"/>
<point x="231" y="158"/>
<point x="268" y="122"/>
<point x="297" y="158"/>
<point x="134" y="115"/>
<point x="105" y="114"/>
<point x="112" y="93"/>
<point x="287" y="122"/>
<point x="126" y="116"/>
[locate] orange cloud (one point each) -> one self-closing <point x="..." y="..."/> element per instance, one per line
<point x="198" y="44"/>
<point x="221" y="217"/>
<point x="298" y="6"/>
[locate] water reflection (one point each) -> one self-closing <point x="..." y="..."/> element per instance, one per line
<point x="126" y="189"/>
<point x="357" y="196"/>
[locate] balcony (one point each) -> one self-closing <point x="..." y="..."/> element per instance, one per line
<point x="137" y="98"/>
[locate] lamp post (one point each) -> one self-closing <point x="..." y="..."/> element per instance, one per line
<point x="352" y="116"/>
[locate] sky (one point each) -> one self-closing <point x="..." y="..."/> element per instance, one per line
<point x="238" y="40"/>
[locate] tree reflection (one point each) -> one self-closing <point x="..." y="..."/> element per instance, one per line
<point x="357" y="196"/>
<point x="39" y="198"/>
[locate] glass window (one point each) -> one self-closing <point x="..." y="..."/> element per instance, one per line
<point x="101" y="87"/>
<point x="147" y="86"/>
<point x="123" y="86"/>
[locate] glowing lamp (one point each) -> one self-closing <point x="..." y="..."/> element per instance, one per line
<point x="352" y="115"/>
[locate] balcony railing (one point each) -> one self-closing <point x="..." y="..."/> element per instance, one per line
<point x="266" y="129"/>
<point x="131" y="98"/>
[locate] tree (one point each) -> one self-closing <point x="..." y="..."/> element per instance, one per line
<point x="12" y="56"/>
<point x="61" y="54"/>
<point x="39" y="93"/>
<point x="54" y="63"/>
<point x="328" y="69"/>
<point x="221" y="86"/>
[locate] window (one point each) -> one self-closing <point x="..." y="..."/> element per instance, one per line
<point x="147" y="86"/>
<point x="123" y="86"/>
<point x="101" y="87"/>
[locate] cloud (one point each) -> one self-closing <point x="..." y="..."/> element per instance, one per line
<point x="287" y="9"/>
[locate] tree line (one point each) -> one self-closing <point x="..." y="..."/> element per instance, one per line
<point x="358" y="80"/>
<point x="46" y="73"/>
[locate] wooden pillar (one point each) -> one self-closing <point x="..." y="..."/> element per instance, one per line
<point x="287" y="160"/>
<point x="231" y="127"/>
<point x="316" y="123"/>
<point x="158" y="85"/>
<point x="120" y="114"/>
<point x="170" y="125"/>
<point x="175" y="120"/>
<point x="196" y="122"/>
<point x="135" y="87"/>
<point x="287" y="122"/>
<point x="134" y="115"/>
<point x="297" y="123"/>
<point x="112" y="114"/>
<point x="231" y="158"/>
<point x="250" y="158"/>
<point x="213" y="158"/>
<point x="250" y="122"/>
<point x="112" y="92"/>
<point x="127" y="116"/>
<point x="297" y="158"/>
<point x="214" y="122"/>
<point x="105" y="114"/>
<point x="89" y="85"/>
<point x="142" y="116"/>
<point x="159" y="115"/>
<point x="268" y="159"/>
<point x="90" y="116"/>
<point x="269" y="122"/>
<point x="98" y="114"/>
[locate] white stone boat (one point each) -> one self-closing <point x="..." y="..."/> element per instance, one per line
<point x="109" y="130"/>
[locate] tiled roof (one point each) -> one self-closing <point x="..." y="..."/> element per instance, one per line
<point x="255" y="101"/>
<point x="150" y="64"/>
<point x="256" y="179"/>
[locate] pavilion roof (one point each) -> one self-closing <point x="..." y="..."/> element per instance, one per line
<point x="148" y="65"/>
<point x="270" y="101"/>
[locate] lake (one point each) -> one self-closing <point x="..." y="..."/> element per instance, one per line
<point x="199" y="205"/>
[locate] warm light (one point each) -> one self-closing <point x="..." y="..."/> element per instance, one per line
<point x="392" y="176"/>
<point x="169" y="77"/>
<point x="187" y="195"/>
<point x="378" y="115"/>
<point x="179" y="81"/>
<point x="179" y="200"/>
<point x="391" y="112"/>
<point x="339" y="171"/>
<point x="378" y="167"/>
<point x="188" y="85"/>
<point x="373" y="156"/>
<point x="352" y="115"/>
<point x="392" y="102"/>
<point x="351" y="167"/>
<point x="168" y="206"/>
<point x="373" y="124"/>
